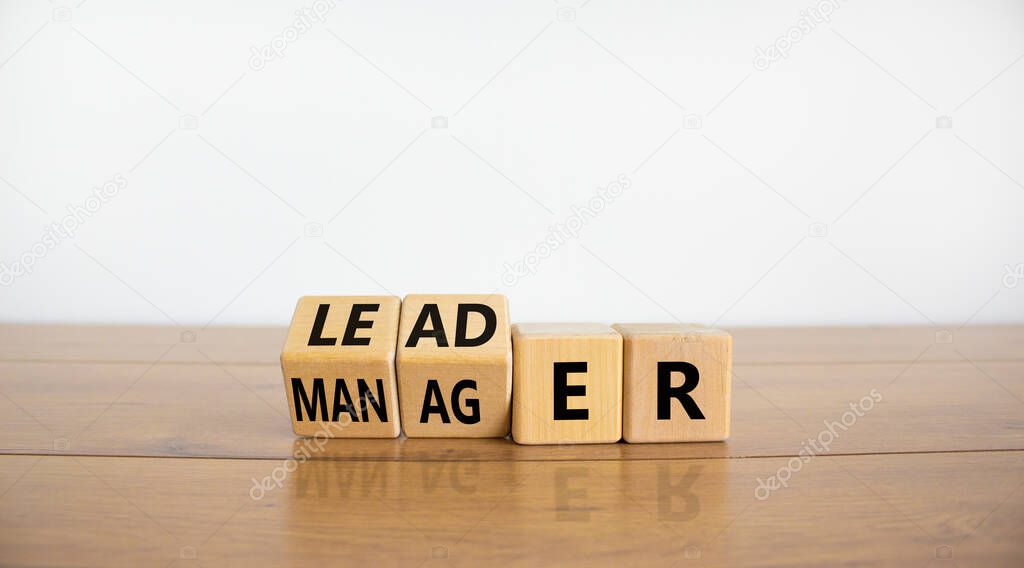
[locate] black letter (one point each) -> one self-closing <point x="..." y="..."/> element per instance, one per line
<point x="301" y="399"/>
<point x="472" y="403"/>
<point x="318" y="328"/>
<point x="436" y="329"/>
<point x="341" y="389"/>
<point x="355" y="323"/>
<point x="490" y="324"/>
<point x="381" y="408"/>
<point x="433" y="392"/>
<point x="563" y="391"/>
<point x="666" y="392"/>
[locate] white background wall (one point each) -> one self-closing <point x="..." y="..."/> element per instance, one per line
<point x="719" y="223"/>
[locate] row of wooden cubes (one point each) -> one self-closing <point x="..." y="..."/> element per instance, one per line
<point x="453" y="366"/>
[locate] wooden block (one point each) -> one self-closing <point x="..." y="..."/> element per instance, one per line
<point x="567" y="385"/>
<point x="339" y="367"/>
<point x="676" y="382"/>
<point x="455" y="366"/>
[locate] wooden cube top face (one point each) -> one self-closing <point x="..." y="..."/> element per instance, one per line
<point x="497" y="348"/>
<point x="448" y="378"/>
<point x="529" y="330"/>
<point x="363" y="361"/>
<point x="634" y="329"/>
<point x="536" y="350"/>
<point x="373" y="338"/>
<point x="708" y="350"/>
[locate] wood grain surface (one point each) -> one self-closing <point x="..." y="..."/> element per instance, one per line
<point x="905" y="510"/>
<point x="212" y="410"/>
<point x="116" y="441"/>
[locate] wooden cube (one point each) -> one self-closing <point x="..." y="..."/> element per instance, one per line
<point x="567" y="385"/>
<point x="455" y="366"/>
<point x="676" y="382"/>
<point x="339" y="367"/>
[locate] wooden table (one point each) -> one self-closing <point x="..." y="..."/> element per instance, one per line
<point x="157" y="446"/>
